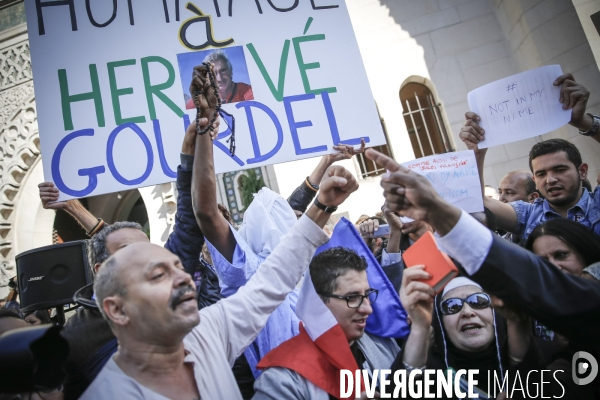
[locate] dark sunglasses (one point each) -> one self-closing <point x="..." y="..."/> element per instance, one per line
<point x="476" y="301"/>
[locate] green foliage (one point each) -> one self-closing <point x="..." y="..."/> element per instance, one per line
<point x="250" y="184"/>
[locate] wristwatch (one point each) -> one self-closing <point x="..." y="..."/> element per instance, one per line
<point x="327" y="209"/>
<point x="595" y="125"/>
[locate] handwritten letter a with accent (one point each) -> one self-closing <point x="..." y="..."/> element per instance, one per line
<point x="520" y="106"/>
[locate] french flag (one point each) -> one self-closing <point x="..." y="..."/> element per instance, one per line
<point x="321" y="349"/>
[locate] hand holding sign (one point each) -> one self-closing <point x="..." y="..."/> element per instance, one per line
<point x="574" y="96"/>
<point x="417" y="297"/>
<point x="346" y="151"/>
<point x="471" y="133"/>
<point x="520" y="106"/>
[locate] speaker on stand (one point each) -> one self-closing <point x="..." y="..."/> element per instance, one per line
<point x="49" y="276"/>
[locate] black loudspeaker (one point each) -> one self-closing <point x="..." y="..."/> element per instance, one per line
<point x="49" y="276"/>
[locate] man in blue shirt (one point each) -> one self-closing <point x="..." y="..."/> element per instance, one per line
<point x="558" y="172"/>
<point x="557" y="168"/>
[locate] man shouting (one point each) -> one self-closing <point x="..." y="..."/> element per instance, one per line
<point x="167" y="349"/>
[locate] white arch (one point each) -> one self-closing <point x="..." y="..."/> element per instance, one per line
<point x="33" y="224"/>
<point x="161" y="205"/>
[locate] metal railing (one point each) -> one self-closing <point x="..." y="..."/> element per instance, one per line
<point x="369" y="167"/>
<point x="438" y="128"/>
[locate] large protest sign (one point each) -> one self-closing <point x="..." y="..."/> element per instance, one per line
<point x="520" y="106"/>
<point x="454" y="176"/>
<point x="111" y="83"/>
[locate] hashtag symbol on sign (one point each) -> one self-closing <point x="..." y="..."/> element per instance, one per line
<point x="511" y="87"/>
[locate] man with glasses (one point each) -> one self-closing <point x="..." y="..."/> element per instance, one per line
<point x="339" y="277"/>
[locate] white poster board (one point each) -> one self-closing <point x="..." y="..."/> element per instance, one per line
<point x="520" y="106"/>
<point x="111" y="82"/>
<point x="454" y="176"/>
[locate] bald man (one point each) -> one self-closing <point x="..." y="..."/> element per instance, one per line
<point x="169" y="349"/>
<point x="518" y="185"/>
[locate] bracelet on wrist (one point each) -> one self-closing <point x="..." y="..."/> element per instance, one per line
<point x="96" y="228"/>
<point x="311" y="186"/>
<point x="594" y="128"/>
<point x="321" y="206"/>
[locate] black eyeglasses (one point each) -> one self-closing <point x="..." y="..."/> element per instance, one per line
<point x="476" y="301"/>
<point x="355" y="300"/>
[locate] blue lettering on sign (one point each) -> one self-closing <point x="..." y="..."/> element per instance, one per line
<point x="465" y="172"/>
<point x="91" y="173"/>
<point x="335" y="134"/>
<point x="287" y="103"/>
<point x="109" y="154"/>
<point x="248" y="106"/>
<point x="221" y="136"/>
<point x="455" y="193"/>
<point x="445" y="176"/>
<point x="258" y="157"/>
<point x="161" y="150"/>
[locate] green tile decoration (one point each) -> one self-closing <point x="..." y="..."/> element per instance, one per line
<point x="12" y="16"/>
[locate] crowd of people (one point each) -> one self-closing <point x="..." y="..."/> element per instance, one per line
<point x="218" y="312"/>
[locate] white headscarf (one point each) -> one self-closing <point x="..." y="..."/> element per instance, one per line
<point x="266" y="221"/>
<point x="458" y="282"/>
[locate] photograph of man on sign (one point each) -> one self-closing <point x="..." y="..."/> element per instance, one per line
<point x="225" y="61"/>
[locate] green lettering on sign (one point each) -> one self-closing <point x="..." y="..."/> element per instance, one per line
<point x="66" y="99"/>
<point x="156" y="90"/>
<point x="115" y="93"/>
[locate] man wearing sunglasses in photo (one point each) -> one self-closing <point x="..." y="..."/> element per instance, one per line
<point x="339" y="277"/>
<point x="467" y="332"/>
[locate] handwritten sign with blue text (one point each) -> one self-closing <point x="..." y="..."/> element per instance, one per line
<point x="454" y="176"/>
<point x="112" y="82"/>
<point x="520" y="106"/>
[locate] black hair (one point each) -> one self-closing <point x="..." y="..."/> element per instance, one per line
<point x="530" y="186"/>
<point x="10" y="313"/>
<point x="553" y="146"/>
<point x="327" y="266"/>
<point x="42" y="315"/>
<point x="98" y="252"/>
<point x="573" y="234"/>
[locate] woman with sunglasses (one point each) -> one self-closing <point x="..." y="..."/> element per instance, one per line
<point x="467" y="332"/>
